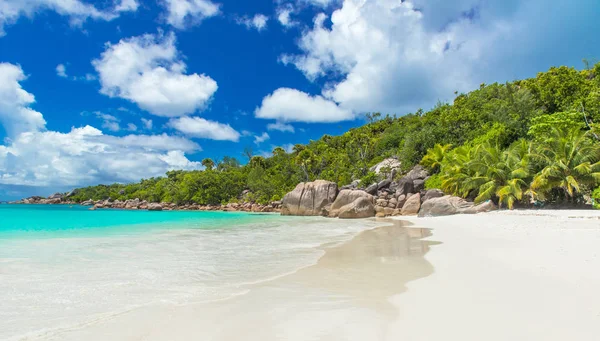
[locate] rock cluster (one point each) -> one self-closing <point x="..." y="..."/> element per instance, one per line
<point x="406" y="196"/>
<point x="136" y="204"/>
<point x="54" y="199"/>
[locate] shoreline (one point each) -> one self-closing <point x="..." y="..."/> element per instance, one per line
<point x="133" y="205"/>
<point x="355" y="278"/>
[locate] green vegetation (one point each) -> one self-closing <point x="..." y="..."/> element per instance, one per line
<point x="596" y="198"/>
<point x="514" y="143"/>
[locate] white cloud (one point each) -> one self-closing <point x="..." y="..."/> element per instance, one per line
<point x="148" y="71"/>
<point x="290" y="105"/>
<point x="396" y="56"/>
<point x="127" y="5"/>
<point x="111" y="125"/>
<point x="16" y="114"/>
<point x="284" y="14"/>
<point x="201" y="128"/>
<point x="183" y="13"/>
<point x="319" y="3"/>
<point x="61" y="70"/>
<point x="258" y="22"/>
<point x="109" y="122"/>
<point x="258" y="139"/>
<point x="77" y="11"/>
<point x="89" y="77"/>
<point x="86" y="156"/>
<point x="147" y="123"/>
<point x="131" y="127"/>
<point x="281" y="127"/>
<point x="32" y="156"/>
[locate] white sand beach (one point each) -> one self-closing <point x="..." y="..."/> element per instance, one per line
<point x="522" y="275"/>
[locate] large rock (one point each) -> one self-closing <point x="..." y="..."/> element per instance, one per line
<point x="353" y="185"/>
<point x="155" y="207"/>
<point x="418" y="172"/>
<point x="401" y="201"/>
<point x="449" y="205"/>
<point x="412" y="205"/>
<point x="89" y="202"/>
<point x="418" y="185"/>
<point x="391" y="164"/>
<point x="359" y="208"/>
<point x="346" y="197"/>
<point x="56" y="196"/>
<point x="372" y="189"/>
<point x="384" y="184"/>
<point x="309" y="198"/>
<point x="481" y="208"/>
<point x="405" y="186"/>
<point x="432" y="193"/>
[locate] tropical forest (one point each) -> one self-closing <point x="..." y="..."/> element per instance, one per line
<point x="522" y="143"/>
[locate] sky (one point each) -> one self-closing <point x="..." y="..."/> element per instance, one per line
<point x="118" y="90"/>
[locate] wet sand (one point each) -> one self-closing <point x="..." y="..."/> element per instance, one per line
<point x="346" y="295"/>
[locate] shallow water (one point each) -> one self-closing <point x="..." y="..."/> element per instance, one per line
<point x="345" y="295"/>
<point x="66" y="266"/>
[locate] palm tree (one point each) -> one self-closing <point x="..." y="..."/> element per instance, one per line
<point x="571" y="162"/>
<point x="486" y="172"/>
<point x="434" y="157"/>
<point x="455" y="171"/>
<point x="208" y="163"/>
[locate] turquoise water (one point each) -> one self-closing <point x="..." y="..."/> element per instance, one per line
<point x="64" y="267"/>
<point x="46" y="221"/>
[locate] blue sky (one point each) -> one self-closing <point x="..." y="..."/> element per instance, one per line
<point x="116" y="90"/>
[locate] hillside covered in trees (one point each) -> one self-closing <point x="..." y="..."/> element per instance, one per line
<point x="514" y="143"/>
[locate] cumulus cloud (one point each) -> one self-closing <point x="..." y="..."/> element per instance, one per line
<point x="61" y="71"/>
<point x="184" y="13"/>
<point x="16" y="114"/>
<point x="86" y="156"/>
<point x="201" y="128"/>
<point x="290" y="105"/>
<point x="258" y="139"/>
<point x="33" y="156"/>
<point x="257" y="22"/>
<point x="281" y="127"/>
<point x="397" y="56"/>
<point x="77" y="11"/>
<point x="148" y="71"/>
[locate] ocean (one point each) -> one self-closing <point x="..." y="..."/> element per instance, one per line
<point x="65" y="267"/>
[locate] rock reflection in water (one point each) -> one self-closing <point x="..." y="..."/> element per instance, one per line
<point x="367" y="270"/>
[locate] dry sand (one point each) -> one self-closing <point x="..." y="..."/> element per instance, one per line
<point x="523" y="275"/>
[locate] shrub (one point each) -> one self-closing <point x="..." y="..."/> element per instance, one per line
<point x="434" y="182"/>
<point x="596" y="198"/>
<point x="369" y="179"/>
